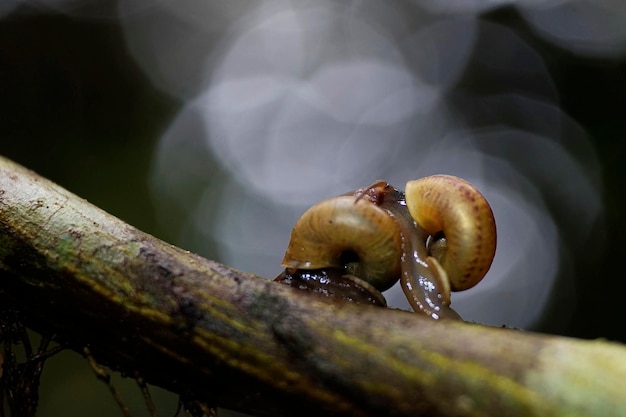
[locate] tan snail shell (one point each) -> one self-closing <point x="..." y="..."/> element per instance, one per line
<point x="454" y="207"/>
<point x="343" y="227"/>
<point x="374" y="233"/>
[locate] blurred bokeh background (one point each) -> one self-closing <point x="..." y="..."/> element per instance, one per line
<point x="214" y="124"/>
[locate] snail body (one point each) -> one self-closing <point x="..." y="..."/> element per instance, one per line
<point x="376" y="236"/>
<point x="332" y="282"/>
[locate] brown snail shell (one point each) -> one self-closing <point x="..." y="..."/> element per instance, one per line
<point x="452" y="206"/>
<point x="347" y="232"/>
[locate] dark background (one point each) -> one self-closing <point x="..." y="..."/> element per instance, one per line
<point x="76" y="108"/>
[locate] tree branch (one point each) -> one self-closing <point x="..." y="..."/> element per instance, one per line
<point x="205" y="330"/>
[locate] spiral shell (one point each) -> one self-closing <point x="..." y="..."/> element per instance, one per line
<point x="452" y="206"/>
<point x="348" y="232"/>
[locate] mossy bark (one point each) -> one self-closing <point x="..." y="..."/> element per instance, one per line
<point x="205" y="330"/>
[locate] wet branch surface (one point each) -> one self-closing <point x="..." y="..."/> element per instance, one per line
<point x="207" y="331"/>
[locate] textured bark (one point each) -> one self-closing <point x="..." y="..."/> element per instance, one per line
<point x="203" y="329"/>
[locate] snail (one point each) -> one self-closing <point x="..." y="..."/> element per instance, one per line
<point x="439" y="236"/>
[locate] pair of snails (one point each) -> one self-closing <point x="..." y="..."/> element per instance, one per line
<point x="436" y="237"/>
